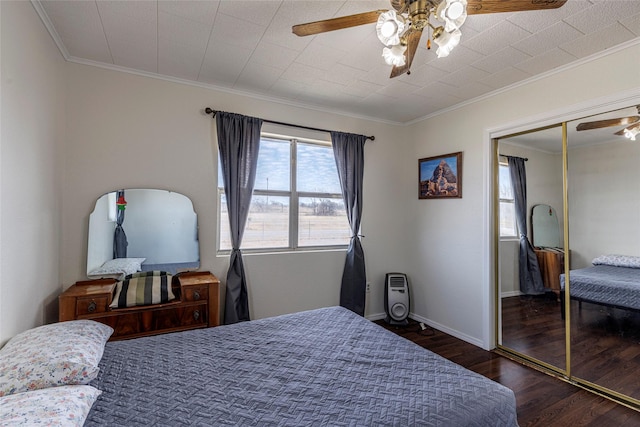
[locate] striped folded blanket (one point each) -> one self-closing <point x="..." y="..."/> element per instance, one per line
<point x="143" y="288"/>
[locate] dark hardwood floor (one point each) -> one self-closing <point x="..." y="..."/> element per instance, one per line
<point x="541" y="399"/>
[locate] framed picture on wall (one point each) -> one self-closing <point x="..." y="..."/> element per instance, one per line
<point x="440" y="177"/>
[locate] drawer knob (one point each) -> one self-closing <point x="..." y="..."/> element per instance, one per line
<point x="91" y="307"/>
<point x="196" y="315"/>
<point x="196" y="295"/>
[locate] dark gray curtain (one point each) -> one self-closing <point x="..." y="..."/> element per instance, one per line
<point x="348" y="150"/>
<point x="120" y="242"/>
<point x="529" y="270"/>
<point x="238" y="144"/>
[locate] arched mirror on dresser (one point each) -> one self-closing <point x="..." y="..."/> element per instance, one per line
<point x="582" y="224"/>
<point x="157" y="229"/>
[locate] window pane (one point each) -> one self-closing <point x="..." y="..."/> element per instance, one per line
<point x="267" y="224"/>
<point x="507" y="219"/>
<point x="225" y="233"/>
<point x="317" y="171"/>
<point x="322" y="222"/>
<point x="273" y="165"/>
<point x="506" y="190"/>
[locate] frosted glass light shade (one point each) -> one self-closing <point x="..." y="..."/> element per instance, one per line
<point x="394" y="55"/>
<point x="390" y="27"/>
<point x="447" y="41"/>
<point x="453" y="13"/>
<point x="631" y="133"/>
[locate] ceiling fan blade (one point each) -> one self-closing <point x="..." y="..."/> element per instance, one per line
<point x="633" y="126"/>
<point x="333" y="24"/>
<point x="475" y="7"/>
<point x="598" y="124"/>
<point x="413" y="39"/>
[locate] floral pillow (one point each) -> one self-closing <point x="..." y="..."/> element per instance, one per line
<point x="58" y="406"/>
<point x="52" y="355"/>
<point x="617" y="261"/>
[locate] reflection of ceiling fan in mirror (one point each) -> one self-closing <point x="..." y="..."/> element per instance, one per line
<point x="632" y="124"/>
<point x="400" y="28"/>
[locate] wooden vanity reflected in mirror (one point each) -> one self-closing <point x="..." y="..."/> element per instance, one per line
<point x="546" y="242"/>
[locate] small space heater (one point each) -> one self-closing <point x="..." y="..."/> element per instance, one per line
<point x="396" y="299"/>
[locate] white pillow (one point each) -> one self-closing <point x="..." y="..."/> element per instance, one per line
<point x="52" y="355"/>
<point x="57" y="406"/>
<point x="617" y="261"/>
<point x="118" y="266"/>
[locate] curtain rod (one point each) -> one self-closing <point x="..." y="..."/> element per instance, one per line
<point x="505" y="155"/>
<point x="213" y="112"/>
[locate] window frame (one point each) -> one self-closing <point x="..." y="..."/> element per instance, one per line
<point x="294" y="198"/>
<point x="501" y="200"/>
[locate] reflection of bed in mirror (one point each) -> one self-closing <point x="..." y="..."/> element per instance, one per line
<point x="613" y="281"/>
<point x="161" y="230"/>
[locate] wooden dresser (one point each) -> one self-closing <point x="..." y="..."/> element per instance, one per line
<point x="551" y="263"/>
<point x="197" y="305"/>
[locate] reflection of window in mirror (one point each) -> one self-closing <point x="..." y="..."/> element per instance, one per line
<point x="111" y="207"/>
<point x="508" y="226"/>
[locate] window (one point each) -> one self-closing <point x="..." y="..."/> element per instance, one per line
<point x="508" y="225"/>
<point x="297" y="201"/>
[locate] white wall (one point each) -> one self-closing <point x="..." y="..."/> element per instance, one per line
<point x="117" y="119"/>
<point x="451" y="258"/>
<point x="33" y="114"/>
<point x="604" y="202"/>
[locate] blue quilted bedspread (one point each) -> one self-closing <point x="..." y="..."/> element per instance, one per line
<point x="606" y="284"/>
<point x="325" y="367"/>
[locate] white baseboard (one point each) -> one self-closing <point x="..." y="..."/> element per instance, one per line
<point x="378" y="316"/>
<point x="435" y="325"/>
<point x="447" y="330"/>
<point x="510" y="294"/>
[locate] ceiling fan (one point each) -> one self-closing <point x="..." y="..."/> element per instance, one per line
<point x="632" y="124"/>
<point x="400" y="28"/>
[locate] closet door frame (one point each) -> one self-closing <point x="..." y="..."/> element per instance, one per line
<point x="492" y="294"/>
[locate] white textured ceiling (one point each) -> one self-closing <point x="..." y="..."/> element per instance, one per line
<point x="248" y="47"/>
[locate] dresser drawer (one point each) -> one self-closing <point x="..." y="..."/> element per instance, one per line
<point x="129" y="323"/>
<point x="195" y="293"/>
<point x="92" y="305"/>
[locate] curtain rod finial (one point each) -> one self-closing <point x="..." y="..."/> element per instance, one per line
<point x="372" y="137"/>
<point x="209" y="111"/>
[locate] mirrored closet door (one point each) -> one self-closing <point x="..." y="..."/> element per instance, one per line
<point x="603" y="178"/>
<point x="573" y="306"/>
<point x="530" y="248"/>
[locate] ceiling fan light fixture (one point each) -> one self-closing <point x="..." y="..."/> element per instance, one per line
<point x="446" y="41"/>
<point x="394" y="55"/>
<point x="631" y="132"/>
<point x="390" y="27"/>
<point x="453" y="13"/>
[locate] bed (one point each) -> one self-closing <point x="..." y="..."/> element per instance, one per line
<point x="612" y="281"/>
<point x="321" y="367"/>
